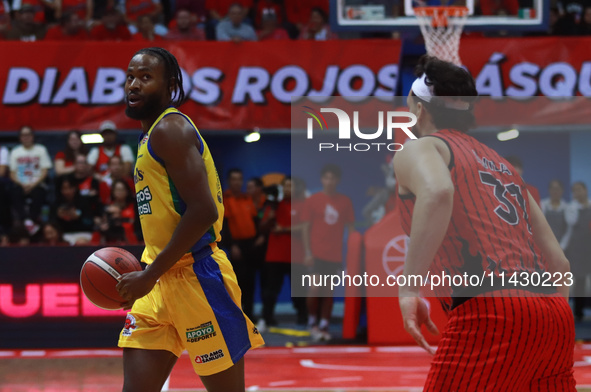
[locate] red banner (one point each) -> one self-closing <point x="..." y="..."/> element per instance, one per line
<point x="62" y="86"/>
<point x="549" y="68"/>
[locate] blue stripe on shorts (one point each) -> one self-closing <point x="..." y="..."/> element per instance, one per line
<point x="229" y="316"/>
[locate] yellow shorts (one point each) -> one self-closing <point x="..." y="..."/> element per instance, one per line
<point x="194" y="306"/>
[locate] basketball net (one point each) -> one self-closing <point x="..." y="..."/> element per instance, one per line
<point x="442" y="28"/>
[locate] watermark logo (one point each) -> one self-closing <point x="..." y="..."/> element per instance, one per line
<point x="349" y="130"/>
<point x="315" y="115"/>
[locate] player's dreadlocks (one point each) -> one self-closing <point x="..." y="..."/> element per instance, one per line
<point x="171" y="70"/>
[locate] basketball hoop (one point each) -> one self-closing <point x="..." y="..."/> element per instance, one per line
<point x="442" y="28"/>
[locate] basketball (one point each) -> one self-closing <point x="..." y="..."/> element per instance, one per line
<point x="101" y="272"/>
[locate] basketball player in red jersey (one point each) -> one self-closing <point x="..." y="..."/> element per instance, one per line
<point x="467" y="211"/>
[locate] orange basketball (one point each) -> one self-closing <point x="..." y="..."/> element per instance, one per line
<point x="101" y="272"/>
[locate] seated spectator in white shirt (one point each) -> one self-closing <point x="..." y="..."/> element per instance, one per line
<point x="29" y="165"/>
<point x="233" y="27"/>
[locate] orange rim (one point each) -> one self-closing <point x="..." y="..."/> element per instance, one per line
<point x="439" y="14"/>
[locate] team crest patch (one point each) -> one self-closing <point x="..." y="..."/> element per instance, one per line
<point x="129" y="325"/>
<point x="212" y="356"/>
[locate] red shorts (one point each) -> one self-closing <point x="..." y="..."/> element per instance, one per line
<point x="506" y="344"/>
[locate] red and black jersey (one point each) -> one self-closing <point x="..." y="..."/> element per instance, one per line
<point x="490" y="227"/>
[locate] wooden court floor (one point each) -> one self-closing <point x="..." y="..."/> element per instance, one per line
<point x="311" y="369"/>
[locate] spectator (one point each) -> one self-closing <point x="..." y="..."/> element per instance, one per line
<point x="3" y="161"/>
<point x="82" y="8"/>
<point x="52" y="235"/>
<point x="553" y="20"/>
<point x="327" y="214"/>
<point x="256" y="191"/>
<point x="584" y="28"/>
<point x="113" y="27"/>
<point x="64" y="160"/>
<point x="571" y="13"/>
<point x="233" y="28"/>
<point x="218" y="9"/>
<point x="270" y="30"/>
<point x="75" y="215"/>
<point x="71" y="28"/>
<point x="4" y="17"/>
<point x="133" y="9"/>
<point x="277" y="219"/>
<point x="240" y="212"/>
<point x="29" y="166"/>
<point x="185" y="28"/>
<point x="499" y="7"/>
<point x="554" y="209"/>
<point x="25" y="28"/>
<point x="297" y="14"/>
<point x="98" y="157"/>
<point x="116" y="172"/>
<point x="41" y="9"/>
<point x="88" y="186"/>
<point x="195" y="7"/>
<point x="317" y="28"/>
<point x="268" y="8"/>
<point x="518" y="165"/>
<point x="145" y="28"/>
<point x="298" y="227"/>
<point x="578" y="244"/>
<point x="5" y="185"/>
<point x="118" y="222"/>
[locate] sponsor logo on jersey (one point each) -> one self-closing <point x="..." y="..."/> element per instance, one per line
<point x="143" y="198"/>
<point x="202" y="332"/>
<point x="212" y="356"/>
<point x="129" y="325"/>
<point x="138" y="176"/>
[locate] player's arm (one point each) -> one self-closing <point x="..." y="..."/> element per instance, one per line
<point x="549" y="245"/>
<point x="174" y="140"/>
<point x="422" y="169"/>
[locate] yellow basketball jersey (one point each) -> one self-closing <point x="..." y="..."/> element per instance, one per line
<point x="159" y="204"/>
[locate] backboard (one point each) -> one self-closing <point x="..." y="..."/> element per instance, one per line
<point x="390" y="15"/>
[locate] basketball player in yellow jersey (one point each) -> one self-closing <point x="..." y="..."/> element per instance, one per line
<point x="187" y="298"/>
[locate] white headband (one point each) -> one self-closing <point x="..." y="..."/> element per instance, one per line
<point x="425" y="93"/>
<point x="421" y="90"/>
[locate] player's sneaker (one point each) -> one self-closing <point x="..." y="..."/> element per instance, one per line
<point x="262" y="326"/>
<point x="325" y="335"/>
<point x="315" y="334"/>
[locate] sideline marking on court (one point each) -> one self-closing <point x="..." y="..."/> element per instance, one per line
<point x="289" y="331"/>
<point x="309" y="363"/>
<point x="314" y="350"/>
<point x="33" y="353"/>
<point x="281" y="383"/>
<point x="402" y="349"/>
<point x="341" y="379"/>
